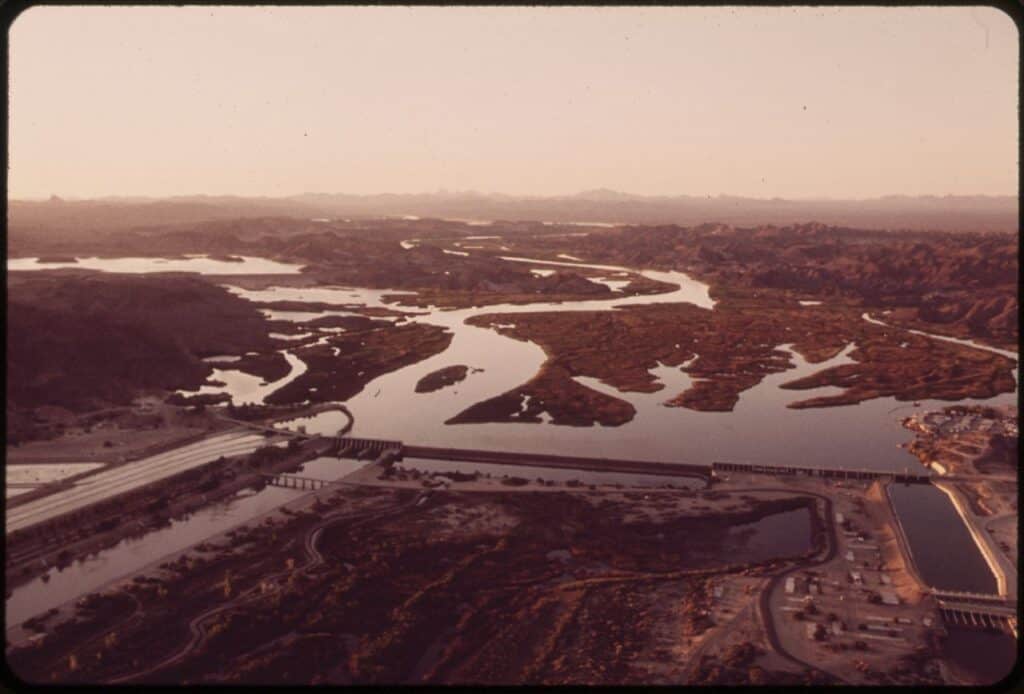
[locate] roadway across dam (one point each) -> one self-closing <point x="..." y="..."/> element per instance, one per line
<point x="388" y="451"/>
<point x="351" y="447"/>
<point x="557" y="461"/>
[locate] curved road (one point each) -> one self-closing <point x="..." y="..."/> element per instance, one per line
<point x="763" y="600"/>
<point x="198" y="626"/>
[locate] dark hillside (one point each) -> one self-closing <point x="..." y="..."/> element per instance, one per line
<point x="82" y="340"/>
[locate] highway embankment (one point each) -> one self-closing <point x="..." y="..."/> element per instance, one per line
<point x="88" y="529"/>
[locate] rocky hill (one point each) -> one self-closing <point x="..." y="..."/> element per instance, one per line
<point x="85" y="340"/>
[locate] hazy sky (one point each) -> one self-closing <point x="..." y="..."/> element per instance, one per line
<point x="791" y="102"/>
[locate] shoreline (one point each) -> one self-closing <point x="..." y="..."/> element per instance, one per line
<point x="903" y="542"/>
<point x="980" y="537"/>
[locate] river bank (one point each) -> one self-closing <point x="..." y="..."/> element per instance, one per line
<point x="39" y="553"/>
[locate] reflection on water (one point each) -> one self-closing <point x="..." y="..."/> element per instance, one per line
<point x="248" y="265"/>
<point x="760" y="429"/>
<point x="944" y="551"/>
<point x="532" y="472"/>
<point x="785" y="534"/>
<point x="131" y="554"/>
<point x="327" y="295"/>
<point x="988" y="656"/>
<point x="246" y="388"/>
<point x="689" y="290"/>
<point x="331" y="420"/>
<point x="302" y="316"/>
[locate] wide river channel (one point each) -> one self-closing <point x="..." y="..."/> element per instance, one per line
<point x="760" y="429"/>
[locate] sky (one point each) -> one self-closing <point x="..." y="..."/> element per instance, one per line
<point x="752" y="101"/>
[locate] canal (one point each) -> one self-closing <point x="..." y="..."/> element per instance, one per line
<point x="58" y="585"/>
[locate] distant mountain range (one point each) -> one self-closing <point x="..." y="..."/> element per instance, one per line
<point x="947" y="213"/>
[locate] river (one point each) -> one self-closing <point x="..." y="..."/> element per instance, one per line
<point x="246" y="265"/>
<point x="759" y="429"/>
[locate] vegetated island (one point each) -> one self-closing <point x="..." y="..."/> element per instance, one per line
<point x="764" y="280"/>
<point x="442" y="378"/>
<point x="727" y="351"/>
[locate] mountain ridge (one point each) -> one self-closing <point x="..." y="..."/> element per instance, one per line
<point x="603" y="205"/>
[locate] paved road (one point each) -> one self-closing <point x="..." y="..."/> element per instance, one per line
<point x="126" y="477"/>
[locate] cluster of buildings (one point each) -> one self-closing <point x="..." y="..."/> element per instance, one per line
<point x="959" y="419"/>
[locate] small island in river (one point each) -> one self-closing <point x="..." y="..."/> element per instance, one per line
<point x="442" y="378"/>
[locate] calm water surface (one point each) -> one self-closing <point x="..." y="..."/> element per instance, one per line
<point x="944" y="551"/>
<point x="562" y="475"/>
<point x="760" y="429"/>
<point x="131" y="554"/>
<point x="200" y="264"/>
<point x="785" y="534"/>
<point x="988" y="656"/>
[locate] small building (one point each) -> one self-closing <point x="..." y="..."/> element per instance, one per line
<point x="889" y="597"/>
<point x="840" y="518"/>
<point x="813" y="588"/>
<point x="856" y="577"/>
<point x="717" y="592"/>
<point x="790" y="585"/>
<point x="849" y="555"/>
<point x="837" y="628"/>
<point x="812" y="628"/>
<point x="885" y="579"/>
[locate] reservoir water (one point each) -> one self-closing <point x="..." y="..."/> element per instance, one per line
<point x="760" y="429"/>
